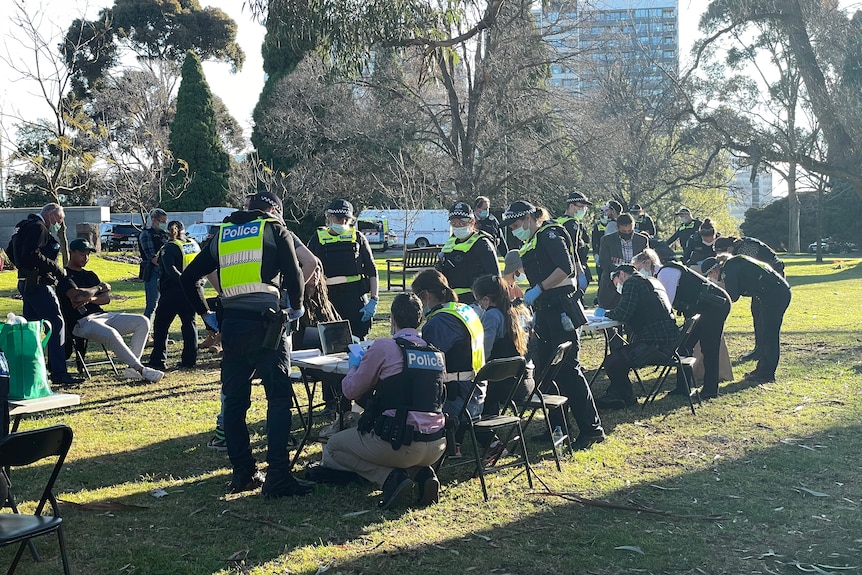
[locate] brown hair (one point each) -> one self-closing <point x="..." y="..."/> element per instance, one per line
<point x="434" y="282"/>
<point x="407" y="310"/>
<point x="492" y="287"/>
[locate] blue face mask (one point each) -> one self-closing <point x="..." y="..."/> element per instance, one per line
<point x="579" y="214"/>
<point x="522" y="234"/>
<point x="483" y="214"/>
<point x="339" y="228"/>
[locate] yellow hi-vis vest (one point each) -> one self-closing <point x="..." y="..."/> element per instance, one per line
<point x="474" y="326"/>
<point x="189" y="248"/>
<point x="452" y="245"/>
<point x="240" y="252"/>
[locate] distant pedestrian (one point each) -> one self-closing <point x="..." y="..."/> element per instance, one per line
<point x="643" y="221"/>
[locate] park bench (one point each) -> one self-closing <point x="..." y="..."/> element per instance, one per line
<point x="411" y="261"/>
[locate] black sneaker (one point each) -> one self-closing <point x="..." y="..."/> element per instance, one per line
<point x="280" y="483"/>
<point x="752" y="355"/>
<point x="68" y="381"/>
<point x="614" y="402"/>
<point x="585" y="441"/>
<point x="395" y="486"/>
<point x="429" y="487"/>
<point x="755" y="377"/>
<point x="245" y="480"/>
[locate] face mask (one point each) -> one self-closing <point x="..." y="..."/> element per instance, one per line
<point x="160" y="226"/>
<point x="483" y="214"/>
<point x="684" y="220"/>
<point x="521" y="278"/>
<point x="644" y="273"/>
<point x="462" y="233"/>
<point x="54" y="228"/>
<point x="522" y="234"/>
<point x="706" y="243"/>
<point x="579" y="214"/>
<point x="339" y="228"/>
<point x="619" y="288"/>
<point x="627" y="236"/>
<point x="604" y="219"/>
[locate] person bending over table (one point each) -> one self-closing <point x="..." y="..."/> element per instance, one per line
<point x="645" y="309"/>
<point x="401" y="432"/>
<point x="86" y="319"/>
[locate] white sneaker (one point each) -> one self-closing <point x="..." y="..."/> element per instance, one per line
<point x="132" y="373"/>
<point x="152" y="375"/>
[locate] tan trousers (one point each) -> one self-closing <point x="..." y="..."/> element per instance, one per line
<point x="374" y="459"/>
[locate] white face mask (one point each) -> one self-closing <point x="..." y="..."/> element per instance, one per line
<point x="462" y="233"/>
<point x="339" y="228"/>
<point x="620" y="288"/>
<point x="521" y="278"/>
<point x="708" y="243"/>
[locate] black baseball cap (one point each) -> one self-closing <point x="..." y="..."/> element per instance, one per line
<point x="460" y="211"/>
<point x="516" y="211"/>
<point x="341" y="208"/>
<point x="81" y="245"/>
<point x="578" y="198"/>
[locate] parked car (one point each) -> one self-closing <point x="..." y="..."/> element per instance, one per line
<point x="830" y="246"/>
<point x="202" y="233"/>
<point x="123" y="236"/>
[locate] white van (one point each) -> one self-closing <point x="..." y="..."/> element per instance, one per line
<point x="421" y="228"/>
<point x="216" y="215"/>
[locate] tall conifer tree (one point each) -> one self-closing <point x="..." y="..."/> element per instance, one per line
<point x="194" y="141"/>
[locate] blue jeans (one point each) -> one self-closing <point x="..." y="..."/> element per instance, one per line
<point x="151" y="292"/>
<point x="244" y="358"/>
<point x="42" y="303"/>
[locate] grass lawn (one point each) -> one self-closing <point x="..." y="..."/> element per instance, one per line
<point x="766" y="479"/>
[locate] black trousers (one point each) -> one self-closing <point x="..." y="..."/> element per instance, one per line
<point x="708" y="332"/>
<point x="770" y="318"/>
<point x="347" y="299"/>
<point x="547" y="335"/>
<point x="173" y="303"/>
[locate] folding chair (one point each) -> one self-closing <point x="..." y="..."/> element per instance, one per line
<point x="678" y="361"/>
<point x="79" y="347"/>
<point x="540" y="400"/>
<point x="19" y="449"/>
<point x="497" y="370"/>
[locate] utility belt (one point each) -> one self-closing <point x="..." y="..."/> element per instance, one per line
<point x="458" y="376"/>
<point x="32" y="279"/>
<point x="338" y="280"/>
<point x="565" y="299"/>
<point x="388" y="429"/>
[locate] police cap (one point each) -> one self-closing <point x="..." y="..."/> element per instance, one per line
<point x="460" y="210"/>
<point x="578" y="198"/>
<point x="341" y="208"/>
<point x="516" y="211"/>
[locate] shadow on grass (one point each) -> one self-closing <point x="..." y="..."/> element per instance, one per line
<point x="783" y="501"/>
<point x="848" y="270"/>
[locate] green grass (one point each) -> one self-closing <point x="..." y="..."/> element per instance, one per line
<point x="769" y="476"/>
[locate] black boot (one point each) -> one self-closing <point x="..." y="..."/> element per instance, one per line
<point x="280" y="483"/>
<point x="395" y="486"/>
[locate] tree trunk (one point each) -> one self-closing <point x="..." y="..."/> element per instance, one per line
<point x="819" y="220"/>
<point x="793" y="207"/>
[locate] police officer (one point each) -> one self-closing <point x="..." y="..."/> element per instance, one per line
<point x="548" y="263"/>
<point x="691" y="293"/>
<point x="176" y="254"/>
<point x="34" y="250"/>
<point x="599" y="228"/>
<point x="349" y="267"/>
<point x="746" y="276"/>
<point x="754" y="248"/>
<point x="252" y="289"/>
<point x="401" y="432"/>
<point x="643" y="221"/>
<point x="467" y="254"/>
<point x="700" y="245"/>
<point x="150" y="241"/>
<point x="487" y="223"/>
<point x="687" y="226"/>
<point x="645" y="309"/>
<point x="576" y="209"/>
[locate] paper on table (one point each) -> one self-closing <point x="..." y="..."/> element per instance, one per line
<point x="305" y="353"/>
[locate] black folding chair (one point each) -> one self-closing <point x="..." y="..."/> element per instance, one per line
<point x="79" y="347"/>
<point x="496" y="370"/>
<point x="25" y="448"/>
<point x="679" y="361"/>
<point x="541" y="399"/>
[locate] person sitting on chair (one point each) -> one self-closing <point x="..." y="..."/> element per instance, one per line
<point x="401" y="433"/>
<point x="645" y="309"/>
<point x="86" y="319"/>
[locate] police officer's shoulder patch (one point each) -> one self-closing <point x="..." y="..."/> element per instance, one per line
<point x="552" y="235"/>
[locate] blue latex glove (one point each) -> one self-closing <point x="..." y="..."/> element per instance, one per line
<point x="353" y="358"/>
<point x="368" y="310"/>
<point x="532" y="295"/>
<point x="295" y="314"/>
<point x="210" y="320"/>
<point x="600" y="312"/>
<point x="582" y="281"/>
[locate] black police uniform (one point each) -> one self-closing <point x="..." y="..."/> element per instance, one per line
<point x="34" y="251"/>
<point x="172" y="303"/>
<point x="244" y="328"/>
<point x="548" y="250"/>
<point x="745" y="276"/>
<point x="645" y="225"/>
<point x="696" y="251"/>
<point x="461" y="267"/>
<point x="578" y="235"/>
<point x="695" y="294"/>
<point x="491" y="226"/>
<point x="754" y="248"/>
<point x="684" y="232"/>
<point x="351" y="258"/>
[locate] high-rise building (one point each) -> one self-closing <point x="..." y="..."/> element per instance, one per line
<point x="746" y="194"/>
<point x="638" y="39"/>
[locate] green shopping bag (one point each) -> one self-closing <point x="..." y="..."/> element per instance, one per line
<point x="24" y="345"/>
